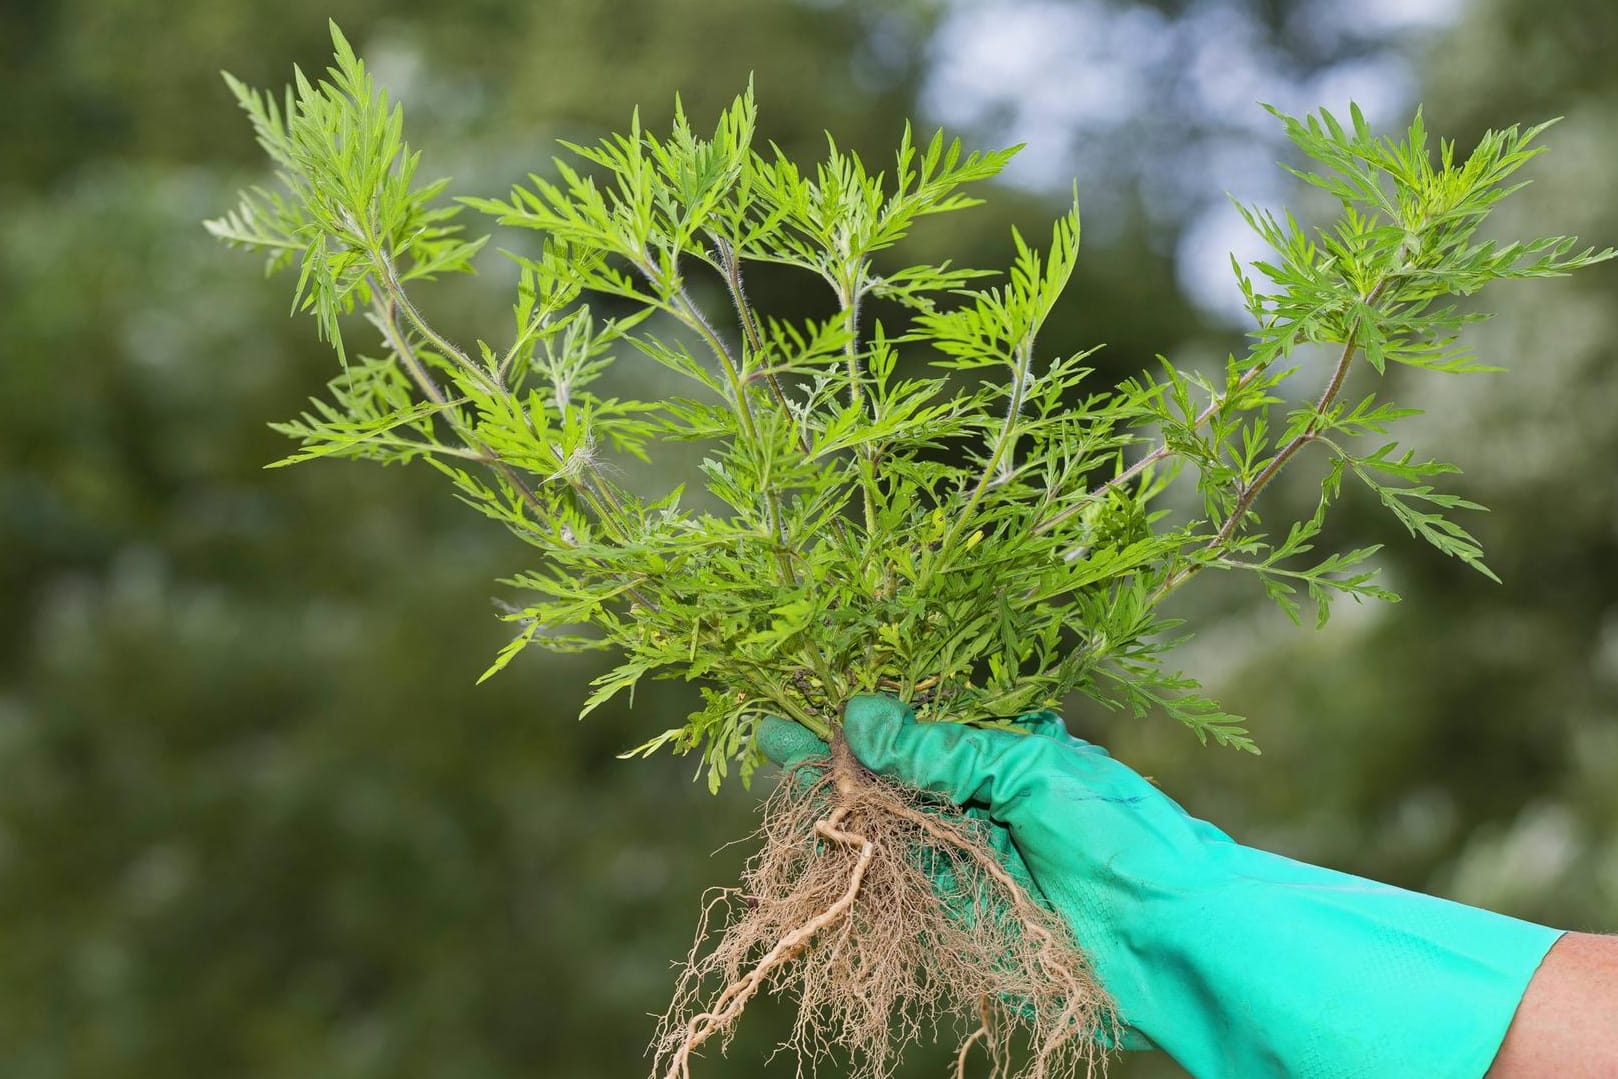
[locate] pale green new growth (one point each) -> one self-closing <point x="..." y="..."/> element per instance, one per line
<point x="980" y="540"/>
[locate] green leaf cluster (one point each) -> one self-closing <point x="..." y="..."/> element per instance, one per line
<point x="936" y="505"/>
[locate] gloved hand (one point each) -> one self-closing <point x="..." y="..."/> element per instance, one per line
<point x="1236" y="962"/>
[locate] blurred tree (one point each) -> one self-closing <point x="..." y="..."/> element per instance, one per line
<point x="255" y="820"/>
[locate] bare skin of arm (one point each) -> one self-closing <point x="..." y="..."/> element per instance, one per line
<point x="1567" y="1024"/>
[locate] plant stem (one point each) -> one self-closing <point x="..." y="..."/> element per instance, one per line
<point x="1308" y="434"/>
<point x="687" y="311"/>
<point x="1248" y="492"/>
<point x="848" y="300"/>
<point x="1163" y="451"/>
<point x="817" y="726"/>
<point x="610" y="514"/>
<point x="731" y="269"/>
<point x="400" y="299"/>
<point x="681" y="306"/>
<point x="385" y="318"/>
<point x="595" y="492"/>
<point x="1149" y="459"/>
<point x="1003" y="445"/>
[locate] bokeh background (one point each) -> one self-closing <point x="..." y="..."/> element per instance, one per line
<point x="255" y="819"/>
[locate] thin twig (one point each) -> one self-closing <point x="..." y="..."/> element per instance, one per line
<point x="595" y="492"/>
<point x="849" y="302"/>
<point x="731" y="269"/>
<point x="1151" y="458"/>
<point x="424" y="380"/>
<point x="687" y="311"/>
<point x="384" y="316"/>
<point x="1004" y="444"/>
<point x="398" y="296"/>
<point x="1249" y="492"/>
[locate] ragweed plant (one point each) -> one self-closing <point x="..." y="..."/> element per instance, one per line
<point x="937" y="507"/>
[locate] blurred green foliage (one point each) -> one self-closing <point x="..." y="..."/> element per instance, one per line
<point x="1466" y="741"/>
<point x="254" y="818"/>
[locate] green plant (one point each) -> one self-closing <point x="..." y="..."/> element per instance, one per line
<point x="980" y="536"/>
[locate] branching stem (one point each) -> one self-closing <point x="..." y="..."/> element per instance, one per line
<point x="1003" y="445"/>
<point x="848" y="300"/>
<point x="1249" y="491"/>
<point x="384" y="315"/>
<point x="388" y="322"/>
<point x="686" y="310"/>
<point x="397" y="297"/>
<point x="730" y="266"/>
<point x="683" y="307"/>
<point x="1160" y="453"/>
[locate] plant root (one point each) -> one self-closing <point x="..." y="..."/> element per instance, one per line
<point x="985" y="1031"/>
<point x="887" y="915"/>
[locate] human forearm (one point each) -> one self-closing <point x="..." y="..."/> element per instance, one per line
<point x="1567" y="1024"/>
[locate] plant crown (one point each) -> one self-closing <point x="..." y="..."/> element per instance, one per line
<point x="939" y="509"/>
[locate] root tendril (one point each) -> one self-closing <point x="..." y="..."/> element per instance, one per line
<point x="886" y="915"/>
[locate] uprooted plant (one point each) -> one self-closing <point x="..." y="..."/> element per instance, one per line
<point x="931" y="506"/>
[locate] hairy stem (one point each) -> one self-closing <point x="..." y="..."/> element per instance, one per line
<point x="1160" y="453"/>
<point x="604" y="502"/>
<point x="384" y="315"/>
<point x="849" y="301"/>
<point x="399" y="298"/>
<point x="730" y="266"/>
<point x="1248" y="492"/>
<point x="387" y="320"/>
<point x="1003" y="446"/>
<point x="683" y="307"/>
<point x="686" y="310"/>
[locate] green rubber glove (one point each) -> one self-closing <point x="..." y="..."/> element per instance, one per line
<point x="1236" y="962"/>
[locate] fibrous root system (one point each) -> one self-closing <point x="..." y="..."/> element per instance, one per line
<point x="890" y="919"/>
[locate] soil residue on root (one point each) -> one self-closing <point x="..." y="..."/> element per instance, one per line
<point x="889" y="919"/>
